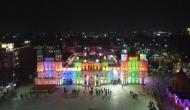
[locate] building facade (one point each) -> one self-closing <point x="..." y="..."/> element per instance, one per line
<point x="88" y="71"/>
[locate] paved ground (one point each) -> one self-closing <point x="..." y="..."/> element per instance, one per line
<point x="120" y="99"/>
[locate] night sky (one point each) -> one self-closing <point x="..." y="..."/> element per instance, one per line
<point x="95" y="16"/>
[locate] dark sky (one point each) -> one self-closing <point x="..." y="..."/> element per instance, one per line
<point x="73" y="15"/>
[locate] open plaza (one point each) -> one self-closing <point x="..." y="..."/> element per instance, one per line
<point x="116" y="98"/>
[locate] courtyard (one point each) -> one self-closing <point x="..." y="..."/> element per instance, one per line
<point x="119" y="98"/>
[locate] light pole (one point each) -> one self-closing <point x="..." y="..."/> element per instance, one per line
<point x="13" y="81"/>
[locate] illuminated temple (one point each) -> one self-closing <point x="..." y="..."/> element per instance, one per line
<point x="91" y="69"/>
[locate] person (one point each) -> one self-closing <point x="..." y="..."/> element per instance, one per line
<point x="30" y="94"/>
<point x="65" y="91"/>
<point x="78" y="91"/>
<point x="84" y="92"/>
<point x="102" y="91"/>
<point x="143" y="88"/>
<point x="37" y="95"/>
<point x="25" y="95"/>
<point x="153" y="107"/>
<point x="21" y="96"/>
<point x="131" y="92"/>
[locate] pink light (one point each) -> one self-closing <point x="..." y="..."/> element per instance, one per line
<point x="186" y="108"/>
<point x="183" y="103"/>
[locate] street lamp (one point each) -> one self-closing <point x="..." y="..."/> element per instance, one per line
<point x="13" y="80"/>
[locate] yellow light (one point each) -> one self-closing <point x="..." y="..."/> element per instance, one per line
<point x="3" y="45"/>
<point x="101" y="81"/>
<point x="188" y="29"/>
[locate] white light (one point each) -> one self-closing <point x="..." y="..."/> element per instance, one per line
<point x="97" y="60"/>
<point x="3" y="45"/>
<point x="104" y="57"/>
<point x="102" y="81"/>
<point x="10" y="45"/>
<point x="85" y="60"/>
<point x="129" y="79"/>
<point x="77" y="57"/>
<point x="115" y="73"/>
<point x="186" y="108"/>
<point x="27" y="42"/>
<point x="8" y="86"/>
<point x="124" y="51"/>
<point x="81" y="81"/>
<point x="105" y="35"/>
<point x="14" y="84"/>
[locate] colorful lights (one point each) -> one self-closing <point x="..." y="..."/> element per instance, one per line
<point x="105" y="66"/>
<point x="181" y="103"/>
<point x="132" y="70"/>
<point x="40" y="67"/>
<point x="143" y="57"/>
<point x="135" y="69"/>
<point x="77" y="66"/>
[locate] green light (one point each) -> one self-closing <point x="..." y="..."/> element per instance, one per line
<point x="78" y="66"/>
<point x="105" y="66"/>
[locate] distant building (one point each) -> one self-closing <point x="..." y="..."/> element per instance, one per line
<point x="25" y="58"/>
<point x="7" y="64"/>
<point x="7" y="56"/>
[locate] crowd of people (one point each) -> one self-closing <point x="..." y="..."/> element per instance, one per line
<point x="103" y="91"/>
<point x="27" y="95"/>
<point x="151" y="106"/>
<point x="89" y="90"/>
